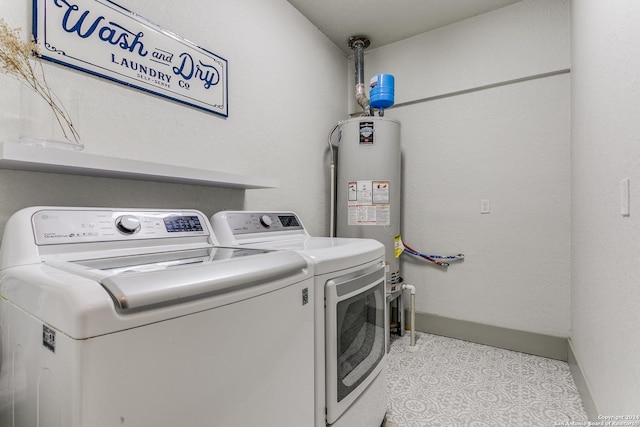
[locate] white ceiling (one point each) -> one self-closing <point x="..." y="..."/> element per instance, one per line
<point x="388" y="21"/>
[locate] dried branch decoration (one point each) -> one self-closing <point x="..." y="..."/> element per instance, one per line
<point x="22" y="60"/>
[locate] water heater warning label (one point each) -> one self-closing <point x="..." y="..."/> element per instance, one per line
<point x="368" y="203"/>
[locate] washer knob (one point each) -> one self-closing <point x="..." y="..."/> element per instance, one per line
<point x="265" y="220"/>
<point x="128" y="224"/>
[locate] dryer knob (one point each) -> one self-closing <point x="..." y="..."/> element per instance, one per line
<point x="265" y="220"/>
<point x="128" y="224"/>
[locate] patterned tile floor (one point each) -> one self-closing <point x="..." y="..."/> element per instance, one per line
<point x="450" y="383"/>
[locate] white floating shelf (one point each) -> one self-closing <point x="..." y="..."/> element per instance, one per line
<point x="40" y="159"/>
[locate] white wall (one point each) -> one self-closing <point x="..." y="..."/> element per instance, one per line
<point x="527" y="38"/>
<point x="605" y="245"/>
<point x="283" y="100"/>
<point x="509" y="144"/>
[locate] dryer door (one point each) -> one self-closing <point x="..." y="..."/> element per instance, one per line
<point x="355" y="337"/>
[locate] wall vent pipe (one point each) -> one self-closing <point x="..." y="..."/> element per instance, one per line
<point x="359" y="44"/>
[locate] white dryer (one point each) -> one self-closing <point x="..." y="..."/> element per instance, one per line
<point x="350" y="336"/>
<point x="117" y="317"/>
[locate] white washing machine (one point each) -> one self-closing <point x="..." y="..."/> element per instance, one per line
<point x="116" y="317"/>
<point x="350" y="336"/>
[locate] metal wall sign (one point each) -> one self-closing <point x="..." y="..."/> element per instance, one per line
<point x="102" y="38"/>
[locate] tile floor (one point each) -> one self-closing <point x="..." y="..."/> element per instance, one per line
<point x="450" y="383"/>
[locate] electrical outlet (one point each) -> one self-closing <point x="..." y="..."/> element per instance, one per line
<point x="485" y="206"/>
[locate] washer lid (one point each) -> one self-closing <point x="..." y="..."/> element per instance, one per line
<point x="151" y="280"/>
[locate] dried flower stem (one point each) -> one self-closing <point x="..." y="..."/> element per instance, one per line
<point x="17" y="59"/>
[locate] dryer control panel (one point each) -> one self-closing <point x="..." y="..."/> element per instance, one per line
<point x="245" y="222"/>
<point x="63" y="226"/>
<point x="251" y="227"/>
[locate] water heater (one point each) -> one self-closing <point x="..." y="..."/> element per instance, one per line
<point x="368" y="184"/>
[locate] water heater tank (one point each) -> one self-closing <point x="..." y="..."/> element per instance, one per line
<point x="368" y="184"/>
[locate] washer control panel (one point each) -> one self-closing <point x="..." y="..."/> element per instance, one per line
<point x="53" y="226"/>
